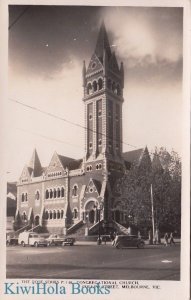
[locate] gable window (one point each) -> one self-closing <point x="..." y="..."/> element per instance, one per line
<point x="37" y="195"/>
<point x="75" y="213"/>
<point x="94" y="86"/>
<point x="62" y="192"/>
<point x="58" y="193"/>
<point x="47" y="194"/>
<point x="75" y="190"/>
<point x="100" y="83"/>
<point x="26" y="197"/>
<point x="89" y="88"/>
<point x="23" y="197"/>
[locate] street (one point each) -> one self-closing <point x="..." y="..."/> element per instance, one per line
<point x="90" y="261"/>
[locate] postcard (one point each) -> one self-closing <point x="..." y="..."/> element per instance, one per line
<point x="95" y="134"/>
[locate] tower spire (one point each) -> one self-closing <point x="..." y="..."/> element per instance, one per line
<point x="102" y="43"/>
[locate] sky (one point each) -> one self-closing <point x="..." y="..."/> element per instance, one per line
<point x="47" y="46"/>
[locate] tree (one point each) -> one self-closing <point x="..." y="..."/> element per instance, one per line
<point x="165" y="176"/>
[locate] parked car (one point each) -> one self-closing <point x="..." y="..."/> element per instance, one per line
<point x="32" y="239"/>
<point x="11" y="240"/>
<point x="55" y="239"/>
<point x="68" y="241"/>
<point x="125" y="241"/>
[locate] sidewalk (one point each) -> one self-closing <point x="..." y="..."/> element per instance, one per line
<point x="90" y="243"/>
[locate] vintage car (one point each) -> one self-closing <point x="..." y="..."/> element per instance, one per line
<point x="31" y="239"/>
<point x="11" y="240"/>
<point x="55" y="240"/>
<point x="125" y="241"/>
<point x="68" y="241"/>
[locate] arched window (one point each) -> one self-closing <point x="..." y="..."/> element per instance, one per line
<point x="50" y="214"/>
<point x="94" y="86"/>
<point x="47" y="194"/>
<point x="62" y="192"/>
<point x="62" y="214"/>
<point x="54" y="214"/>
<point x="37" y="196"/>
<point x="51" y="194"/>
<point x="23" y="197"/>
<point x="75" y="213"/>
<point x="58" y="192"/>
<point x="100" y="84"/>
<point x="58" y="214"/>
<point x="75" y="190"/>
<point x="54" y="193"/>
<point x="46" y="215"/>
<point x="26" y="197"/>
<point x="89" y="88"/>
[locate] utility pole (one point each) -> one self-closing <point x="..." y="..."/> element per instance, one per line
<point x="152" y="207"/>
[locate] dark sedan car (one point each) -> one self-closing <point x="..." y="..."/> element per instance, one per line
<point x="125" y="241"/>
<point x="68" y="241"/>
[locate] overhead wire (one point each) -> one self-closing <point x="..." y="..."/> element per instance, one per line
<point x="17" y="19"/>
<point x="71" y="123"/>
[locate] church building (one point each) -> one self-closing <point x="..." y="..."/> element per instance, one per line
<point x="70" y="194"/>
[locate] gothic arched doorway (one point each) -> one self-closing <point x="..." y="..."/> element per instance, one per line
<point x="92" y="216"/>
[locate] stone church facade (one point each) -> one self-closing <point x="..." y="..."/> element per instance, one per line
<point x="70" y="193"/>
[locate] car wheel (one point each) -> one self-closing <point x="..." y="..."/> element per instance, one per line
<point x="140" y="245"/>
<point x="118" y="246"/>
<point x="36" y="244"/>
<point x="23" y="243"/>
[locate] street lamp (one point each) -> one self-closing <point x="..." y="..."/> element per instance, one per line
<point x="98" y="208"/>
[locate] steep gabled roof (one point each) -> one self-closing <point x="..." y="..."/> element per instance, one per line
<point x="70" y="163"/>
<point x="133" y="156"/>
<point x="35" y="164"/>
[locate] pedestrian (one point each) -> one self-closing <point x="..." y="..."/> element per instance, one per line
<point x="172" y="239"/>
<point x="166" y="239"/>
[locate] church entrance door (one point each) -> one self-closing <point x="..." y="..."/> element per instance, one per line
<point x="92" y="216"/>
